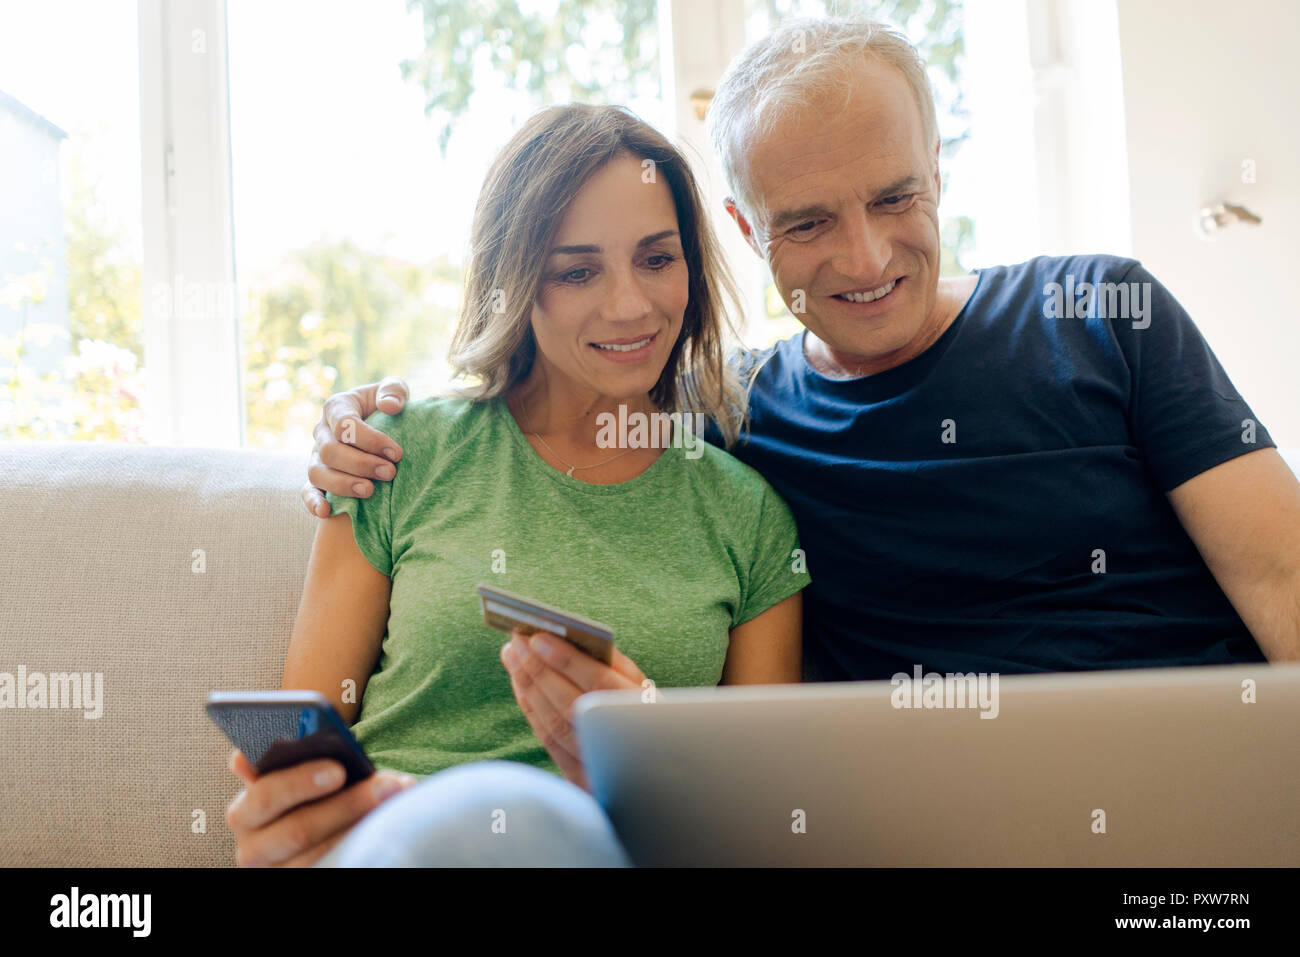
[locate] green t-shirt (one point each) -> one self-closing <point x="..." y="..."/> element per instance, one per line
<point x="671" y="560"/>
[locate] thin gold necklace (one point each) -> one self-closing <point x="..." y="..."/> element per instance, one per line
<point x="572" y="468"/>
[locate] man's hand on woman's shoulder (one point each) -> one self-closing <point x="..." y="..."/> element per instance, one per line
<point x="349" y="455"/>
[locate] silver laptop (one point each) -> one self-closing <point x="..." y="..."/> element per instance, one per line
<point x="1152" y="767"/>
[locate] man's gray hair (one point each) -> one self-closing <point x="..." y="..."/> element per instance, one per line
<point x="786" y="70"/>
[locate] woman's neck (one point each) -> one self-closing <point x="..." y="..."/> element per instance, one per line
<point x="570" y="433"/>
<point x="567" y="415"/>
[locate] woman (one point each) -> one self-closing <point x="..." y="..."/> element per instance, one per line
<point x="595" y="289"/>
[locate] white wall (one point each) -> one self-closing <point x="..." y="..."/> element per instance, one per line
<point x="1208" y="86"/>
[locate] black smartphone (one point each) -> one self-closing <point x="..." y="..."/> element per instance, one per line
<point x="277" y="729"/>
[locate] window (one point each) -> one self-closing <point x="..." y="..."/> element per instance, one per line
<point x="353" y="204"/>
<point x="71" y="343"/>
<point x="218" y="213"/>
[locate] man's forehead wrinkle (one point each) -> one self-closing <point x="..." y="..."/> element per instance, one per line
<point x="819" y="153"/>
<point x="873" y="168"/>
<point x="821" y="162"/>
<point x="797" y="141"/>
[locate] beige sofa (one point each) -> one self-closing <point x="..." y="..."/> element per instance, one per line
<point x="101" y="573"/>
<point x="170" y="572"/>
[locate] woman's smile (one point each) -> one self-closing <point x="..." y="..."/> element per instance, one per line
<point x="627" y="350"/>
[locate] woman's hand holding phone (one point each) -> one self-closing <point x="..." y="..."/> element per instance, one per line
<point x="292" y="817"/>
<point x="548" y="674"/>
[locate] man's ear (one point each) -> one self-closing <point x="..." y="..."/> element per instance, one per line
<point x="938" y="181"/>
<point x="743" y="224"/>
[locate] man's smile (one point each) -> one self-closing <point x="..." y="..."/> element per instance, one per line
<point x="869" y="296"/>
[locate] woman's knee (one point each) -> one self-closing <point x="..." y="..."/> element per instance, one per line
<point x="488" y="813"/>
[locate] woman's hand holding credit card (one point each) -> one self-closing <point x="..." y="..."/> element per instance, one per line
<point x="554" y="657"/>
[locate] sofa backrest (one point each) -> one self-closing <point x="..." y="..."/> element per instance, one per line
<point x="171" y="572"/>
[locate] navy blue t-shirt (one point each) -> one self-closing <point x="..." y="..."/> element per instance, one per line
<point x="998" y="503"/>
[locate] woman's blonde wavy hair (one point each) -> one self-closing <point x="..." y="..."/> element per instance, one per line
<point x="527" y="191"/>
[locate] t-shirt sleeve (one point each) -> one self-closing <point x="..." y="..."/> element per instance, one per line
<point x="1185" y="414"/>
<point x="778" y="568"/>
<point x="372" y="525"/>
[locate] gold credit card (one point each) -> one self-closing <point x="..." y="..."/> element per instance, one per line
<point x="506" y="611"/>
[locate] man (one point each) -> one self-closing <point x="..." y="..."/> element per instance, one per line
<point x="1041" y="467"/>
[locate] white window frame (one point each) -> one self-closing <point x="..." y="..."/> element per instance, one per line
<point x="698" y="39"/>
<point x="191" y="328"/>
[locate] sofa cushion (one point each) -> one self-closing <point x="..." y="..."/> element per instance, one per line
<point x="171" y="572"/>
